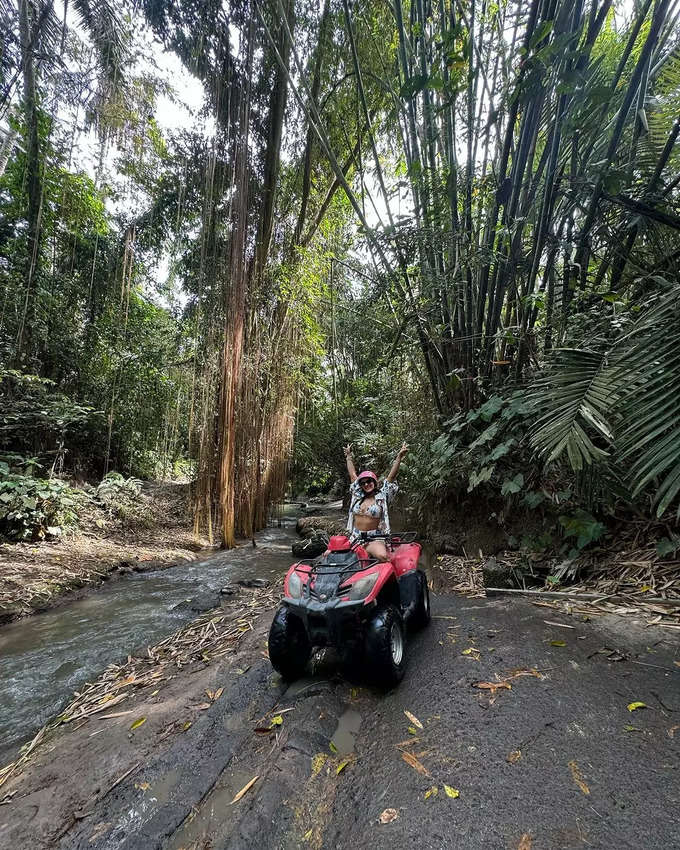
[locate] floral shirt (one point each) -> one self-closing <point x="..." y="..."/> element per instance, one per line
<point x="382" y="497"/>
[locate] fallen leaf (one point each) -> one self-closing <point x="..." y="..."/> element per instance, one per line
<point x="645" y="588"/>
<point x="514" y="756"/>
<point x="633" y="706"/>
<point x="307" y="835"/>
<point x="412" y="730"/>
<point x="451" y="792"/>
<point x="333" y="748"/>
<point x="492" y="686"/>
<point x="155" y="692"/>
<point x="388" y="816"/>
<point x="204" y="705"/>
<point x="318" y="762"/>
<point x="210" y="694"/>
<point x="276" y="721"/>
<point x="677" y="663"/>
<point x="411" y="760"/>
<point x="413" y="719"/>
<point x="138" y="723"/>
<point x="244" y="790"/>
<point x="525" y="842"/>
<point x="143" y="786"/>
<point x="557" y="643"/>
<point x="186" y="726"/>
<point x="354" y="693"/>
<point x="578" y="779"/>
<point x="632" y="729"/>
<point x="341" y="766"/>
<point x="471" y="650"/>
<point x="431" y="792"/>
<point x="672" y="731"/>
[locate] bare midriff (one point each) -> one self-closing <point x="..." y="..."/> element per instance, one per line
<point x="365" y="522"/>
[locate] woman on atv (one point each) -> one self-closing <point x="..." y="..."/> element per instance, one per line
<point x="368" y="517"/>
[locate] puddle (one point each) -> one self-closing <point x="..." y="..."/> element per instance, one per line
<point x="344" y="736"/>
<point x="213" y="812"/>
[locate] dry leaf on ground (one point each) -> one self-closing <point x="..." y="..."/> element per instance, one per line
<point x="633" y="706"/>
<point x="672" y="731"/>
<point x="525" y="842"/>
<point x="492" y="686"/>
<point x="578" y="778"/>
<point x="138" y="723"/>
<point x="451" y="792"/>
<point x="413" y="762"/>
<point x="244" y="790"/>
<point x="431" y="792"/>
<point x="413" y="719"/>
<point x="514" y="756"/>
<point x="557" y="643"/>
<point x="388" y="816"/>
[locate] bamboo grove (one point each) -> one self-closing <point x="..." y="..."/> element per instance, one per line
<point x="498" y="180"/>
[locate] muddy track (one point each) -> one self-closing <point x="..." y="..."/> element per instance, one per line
<point x="549" y="758"/>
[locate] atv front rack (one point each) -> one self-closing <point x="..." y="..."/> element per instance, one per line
<point x="312" y="564"/>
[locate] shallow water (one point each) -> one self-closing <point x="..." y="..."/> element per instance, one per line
<point x="45" y="658"/>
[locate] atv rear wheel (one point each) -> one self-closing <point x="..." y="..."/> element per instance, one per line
<point x="289" y="646"/>
<point x="385" y="647"/>
<point x="421" y="613"/>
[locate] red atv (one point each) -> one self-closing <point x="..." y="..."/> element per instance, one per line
<point x="355" y="603"/>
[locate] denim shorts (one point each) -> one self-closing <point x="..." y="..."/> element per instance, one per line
<point x="366" y="536"/>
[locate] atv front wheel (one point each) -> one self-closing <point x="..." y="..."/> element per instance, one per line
<point x="421" y="613"/>
<point x="385" y="647"/>
<point x="289" y="647"/>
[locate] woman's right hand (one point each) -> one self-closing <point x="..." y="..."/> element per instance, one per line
<point x="348" y="450"/>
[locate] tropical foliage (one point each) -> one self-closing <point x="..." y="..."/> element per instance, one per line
<point x="455" y="223"/>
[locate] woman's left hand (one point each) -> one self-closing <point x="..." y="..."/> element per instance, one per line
<point x="403" y="450"/>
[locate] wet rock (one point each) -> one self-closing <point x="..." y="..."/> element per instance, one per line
<point x="199" y="604"/>
<point x="311" y="547"/>
<point x="10" y="611"/>
<point x="306" y="526"/>
<point x="254" y="582"/>
<point x="229" y="590"/>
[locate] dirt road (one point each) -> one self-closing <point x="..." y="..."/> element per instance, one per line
<point x="527" y="738"/>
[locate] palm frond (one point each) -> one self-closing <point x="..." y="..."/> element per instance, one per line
<point x="574" y="400"/>
<point x="103" y="24"/>
<point x="650" y="433"/>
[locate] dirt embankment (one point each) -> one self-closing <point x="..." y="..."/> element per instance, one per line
<point x="152" y="532"/>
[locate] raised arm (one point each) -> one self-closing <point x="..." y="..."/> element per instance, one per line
<point x="397" y="463"/>
<point x="350" y="463"/>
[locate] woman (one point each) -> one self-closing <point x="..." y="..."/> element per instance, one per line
<point x="368" y="516"/>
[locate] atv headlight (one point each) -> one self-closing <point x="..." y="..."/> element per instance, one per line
<point x="363" y="586"/>
<point x="295" y="585"/>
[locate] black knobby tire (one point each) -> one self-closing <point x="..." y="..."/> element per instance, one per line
<point x="421" y="613"/>
<point x="386" y="647"/>
<point x="351" y="662"/>
<point x="289" y="647"/>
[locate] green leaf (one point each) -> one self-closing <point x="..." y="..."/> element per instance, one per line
<point x="513" y="485"/>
